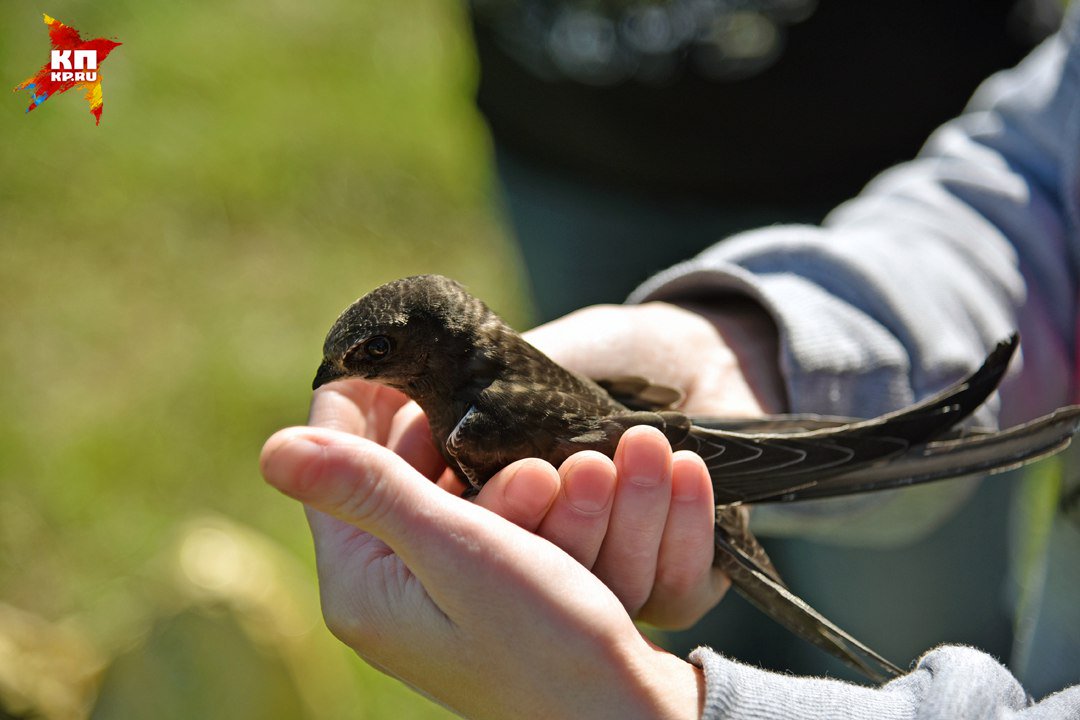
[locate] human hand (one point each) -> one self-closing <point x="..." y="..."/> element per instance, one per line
<point x="642" y="523"/>
<point x="465" y="606"/>
<point x="723" y="357"/>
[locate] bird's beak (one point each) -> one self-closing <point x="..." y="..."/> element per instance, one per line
<point x="327" y="372"/>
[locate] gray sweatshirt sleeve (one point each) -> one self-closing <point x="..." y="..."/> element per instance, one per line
<point x="947" y="683"/>
<point x="903" y="289"/>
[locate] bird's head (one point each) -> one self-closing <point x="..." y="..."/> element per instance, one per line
<point x="406" y="334"/>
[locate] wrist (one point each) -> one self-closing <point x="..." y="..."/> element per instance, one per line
<point x="657" y="685"/>
<point x="675" y="688"/>
<point x="750" y="340"/>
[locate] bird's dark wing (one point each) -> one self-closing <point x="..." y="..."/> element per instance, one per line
<point x="743" y="543"/>
<point x="786" y="608"/>
<point x="746" y="467"/>
<point x="510" y="420"/>
<point x="982" y="454"/>
<point x="772" y="424"/>
<point x="803" y="422"/>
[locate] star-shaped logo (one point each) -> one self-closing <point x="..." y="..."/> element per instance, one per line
<point x="73" y="63"/>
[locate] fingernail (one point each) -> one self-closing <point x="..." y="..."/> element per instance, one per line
<point x="688" y="478"/>
<point x="644" y="464"/>
<point x="529" y="489"/>
<point x="588" y="489"/>
<point x="685" y="491"/>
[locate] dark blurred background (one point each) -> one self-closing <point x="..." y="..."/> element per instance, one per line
<point x="630" y="134"/>
<point x="167" y="277"/>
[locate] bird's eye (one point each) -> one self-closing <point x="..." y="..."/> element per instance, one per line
<point x="377" y="347"/>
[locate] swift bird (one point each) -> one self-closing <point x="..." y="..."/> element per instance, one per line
<point x="492" y="398"/>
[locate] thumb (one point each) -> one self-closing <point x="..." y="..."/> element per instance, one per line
<point x="350" y="478"/>
<point x="452" y="546"/>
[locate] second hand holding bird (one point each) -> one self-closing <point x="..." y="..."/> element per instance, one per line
<point x="723" y="359"/>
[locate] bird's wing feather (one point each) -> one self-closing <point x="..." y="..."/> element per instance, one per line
<point x="836" y="449"/>
<point x="772" y="424"/>
<point x="791" y="611"/>
<point x="503" y="425"/>
<point x="934" y="415"/>
<point x="639" y="393"/>
<point x="742" y="543"/>
<point x="978" y="454"/>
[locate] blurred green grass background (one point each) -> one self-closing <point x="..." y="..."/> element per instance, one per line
<point x="166" y="280"/>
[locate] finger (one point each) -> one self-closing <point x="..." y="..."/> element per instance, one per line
<point x="356" y="406"/>
<point x="578" y="518"/>
<point x="627" y="559"/>
<point x="687" y="585"/>
<point x="410" y="437"/>
<point x="349" y="478"/>
<point x="521" y="492"/>
<point x="378" y="526"/>
<point x="451" y="483"/>
<point x="460" y="553"/>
